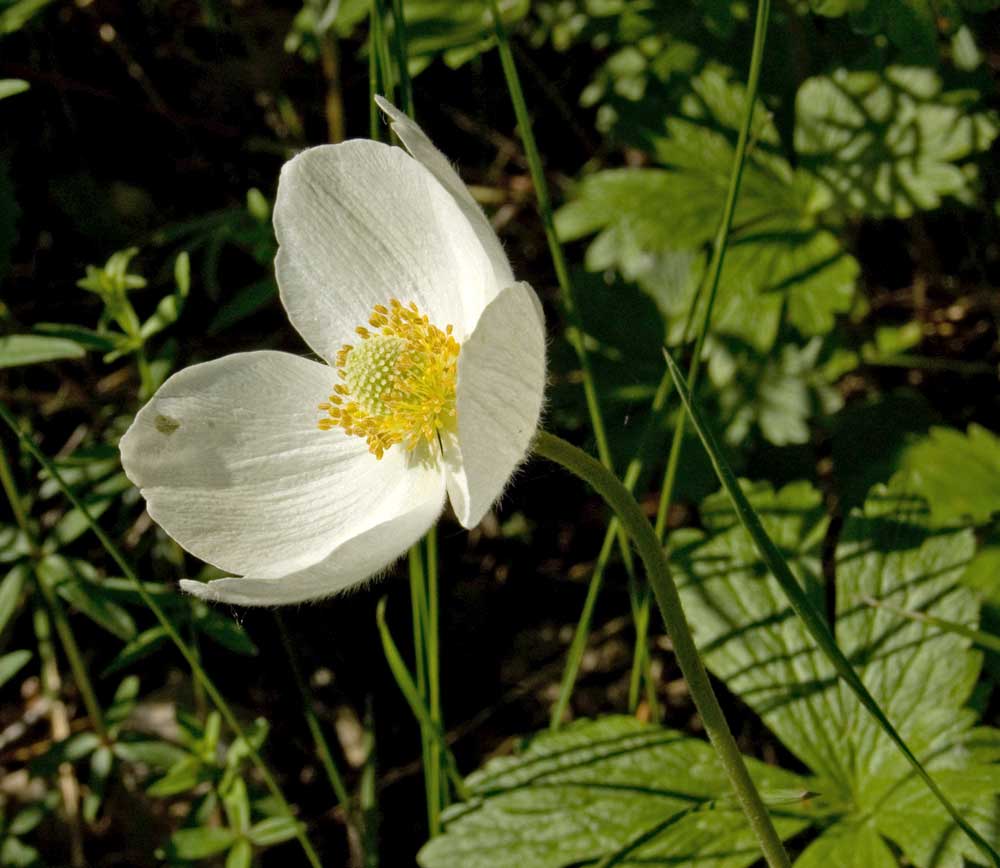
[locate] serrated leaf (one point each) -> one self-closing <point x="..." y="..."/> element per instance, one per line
<point x="596" y="787"/>
<point x="958" y="474"/>
<point x="920" y="676"/>
<point x="17" y="350"/>
<point x="889" y="143"/>
<point x="654" y="224"/>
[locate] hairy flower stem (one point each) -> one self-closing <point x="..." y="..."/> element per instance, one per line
<point x="658" y="573"/>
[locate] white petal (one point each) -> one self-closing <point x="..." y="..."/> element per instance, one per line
<point x="233" y="466"/>
<point x="501" y="381"/>
<point x="361" y="223"/>
<point x="357" y="559"/>
<point x="418" y="144"/>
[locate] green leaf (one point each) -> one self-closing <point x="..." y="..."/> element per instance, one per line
<point x="455" y="31"/>
<point x="10" y="593"/>
<point x="654" y="224"/>
<point x="222" y="630"/>
<point x="596" y="787"/>
<point x="200" y="843"/>
<point x="273" y="830"/>
<point x="18" y="13"/>
<point x="77" y="582"/>
<point x="12" y="87"/>
<point x="138" y="648"/>
<point x="919" y="675"/>
<point x="241" y="855"/>
<point x="890" y="143"/>
<point x="87" y="338"/>
<point x="237" y="806"/>
<point x="123" y="702"/>
<point x="16" y="350"/>
<point x="911" y="24"/>
<point x="848" y="845"/>
<point x="180" y="778"/>
<point x="958" y="474"/>
<point x="12" y="663"/>
<point x="150" y="752"/>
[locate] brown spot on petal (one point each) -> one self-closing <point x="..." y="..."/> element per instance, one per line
<point x="166" y="425"/>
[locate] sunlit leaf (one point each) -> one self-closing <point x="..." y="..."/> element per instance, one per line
<point x="598" y="786"/>
<point x="890" y="143"/>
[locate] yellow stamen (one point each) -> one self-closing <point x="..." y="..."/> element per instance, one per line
<point x="398" y="384"/>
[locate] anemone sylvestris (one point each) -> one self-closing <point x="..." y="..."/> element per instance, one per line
<point x="303" y="478"/>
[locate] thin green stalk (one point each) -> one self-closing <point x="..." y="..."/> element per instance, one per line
<point x="28" y="444"/>
<point x="650" y="550"/>
<point x="312" y="721"/>
<point x="416" y="703"/>
<point x="369" y="792"/>
<point x="431" y="636"/>
<point x="548" y="222"/>
<point x="418" y="609"/>
<point x="804" y="608"/>
<point x="380" y="44"/>
<point x="402" y="58"/>
<point x="63" y="628"/>
<point x="718" y="253"/>
<point x="378" y="77"/>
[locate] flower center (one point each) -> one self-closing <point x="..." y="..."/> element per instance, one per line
<point x="398" y="384"/>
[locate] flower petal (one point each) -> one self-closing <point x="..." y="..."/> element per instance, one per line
<point x="233" y="466"/>
<point x="361" y="223"/>
<point x="501" y="381"/>
<point x="423" y="150"/>
<point x="356" y="560"/>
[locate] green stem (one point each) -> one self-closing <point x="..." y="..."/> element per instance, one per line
<point x="416" y="702"/>
<point x="719" y="247"/>
<point x="658" y="572"/>
<point x="548" y="222"/>
<point x="369" y="792"/>
<point x="312" y="721"/>
<point x="431" y="634"/>
<point x="28" y="444"/>
<point x="402" y="58"/>
<point x="418" y="607"/>
<point x="52" y="603"/>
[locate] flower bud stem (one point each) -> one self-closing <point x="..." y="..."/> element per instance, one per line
<point x="650" y="550"/>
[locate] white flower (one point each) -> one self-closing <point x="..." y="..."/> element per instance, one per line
<point x="304" y="478"/>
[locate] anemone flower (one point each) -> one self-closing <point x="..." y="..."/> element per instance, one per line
<point x="304" y="478"/>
